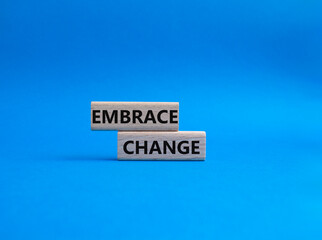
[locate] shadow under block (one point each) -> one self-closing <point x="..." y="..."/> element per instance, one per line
<point x="137" y="116"/>
<point x="182" y="145"/>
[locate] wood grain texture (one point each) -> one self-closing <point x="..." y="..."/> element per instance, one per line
<point x="182" y="145"/>
<point x="137" y="116"/>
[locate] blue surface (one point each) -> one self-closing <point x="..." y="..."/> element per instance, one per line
<point x="246" y="72"/>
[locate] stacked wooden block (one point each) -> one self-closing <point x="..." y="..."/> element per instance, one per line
<point x="148" y="131"/>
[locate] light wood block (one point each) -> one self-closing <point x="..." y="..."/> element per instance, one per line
<point x="161" y="145"/>
<point x="138" y="116"/>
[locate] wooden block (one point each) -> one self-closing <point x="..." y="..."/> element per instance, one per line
<point x="161" y="145"/>
<point x="138" y="116"/>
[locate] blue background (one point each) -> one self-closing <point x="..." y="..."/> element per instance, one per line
<point x="249" y="73"/>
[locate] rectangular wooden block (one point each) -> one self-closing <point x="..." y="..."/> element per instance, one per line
<point x="161" y="145"/>
<point x="138" y="116"/>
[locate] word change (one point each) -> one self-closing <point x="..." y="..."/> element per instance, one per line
<point x="161" y="145"/>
